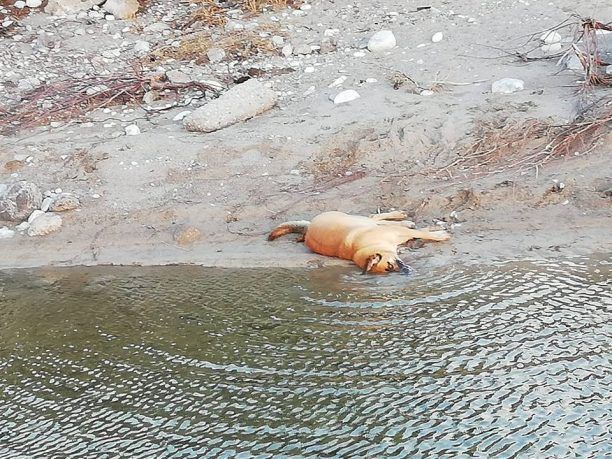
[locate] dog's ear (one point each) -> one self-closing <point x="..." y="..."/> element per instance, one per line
<point x="371" y="262"/>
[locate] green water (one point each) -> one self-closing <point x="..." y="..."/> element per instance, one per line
<point x="511" y="360"/>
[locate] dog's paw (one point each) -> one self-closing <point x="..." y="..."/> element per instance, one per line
<point x="440" y="235"/>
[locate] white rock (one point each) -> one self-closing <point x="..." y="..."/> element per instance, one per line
<point x="507" y="86"/>
<point x="240" y="103"/>
<point x="287" y="50"/>
<point x="6" y="233"/>
<point x="337" y="81"/>
<point x="142" y="47"/>
<point x="132" y="129"/>
<point x="215" y="55"/>
<point x="19" y="4"/>
<point x="302" y="49"/>
<point x="34" y="215"/>
<point x="552" y="48"/>
<point x="181" y="115"/>
<point x="427" y="92"/>
<point x="122" y="9"/>
<point x="346" y="96"/>
<point x="278" y="41"/>
<point x="176" y="76"/>
<point x="383" y="40"/>
<point x="58" y="7"/>
<point x="437" y="37"/>
<point x="33" y="3"/>
<point x="23" y="226"/>
<point x="45" y="224"/>
<point x="46" y="204"/>
<point x="551" y="37"/>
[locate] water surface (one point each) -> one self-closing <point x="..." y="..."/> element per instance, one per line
<point x="511" y="360"/>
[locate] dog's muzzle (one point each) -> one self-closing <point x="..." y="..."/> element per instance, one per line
<point x="404" y="268"/>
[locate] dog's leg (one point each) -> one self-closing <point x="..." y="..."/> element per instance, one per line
<point x="395" y="215"/>
<point x="406" y="234"/>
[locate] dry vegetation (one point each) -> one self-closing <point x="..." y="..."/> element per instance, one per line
<point x="239" y="45"/>
<point x="590" y="53"/>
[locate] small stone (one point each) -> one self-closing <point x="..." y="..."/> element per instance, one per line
<point x="240" y="103"/>
<point x="176" y="76"/>
<point x="33" y="3"/>
<point x="551" y="37"/>
<point x="437" y="37"/>
<point x="34" y="215"/>
<point x="65" y="202"/>
<point x="302" y="49"/>
<point x="215" y="55"/>
<point x="19" y="4"/>
<point x="427" y="92"/>
<point x="19" y="200"/>
<point x="132" y="129"/>
<point x="552" y="48"/>
<point x="187" y="236"/>
<point x="181" y="115"/>
<point x="287" y="50"/>
<point x="46" y="204"/>
<point x="122" y="9"/>
<point x="309" y="69"/>
<point x="278" y="41"/>
<point x="45" y="224"/>
<point x="150" y="97"/>
<point x="338" y="82"/>
<point x="6" y="233"/>
<point x="383" y="40"/>
<point x="142" y="47"/>
<point x="507" y="86"/>
<point x="23" y="226"/>
<point x="346" y="96"/>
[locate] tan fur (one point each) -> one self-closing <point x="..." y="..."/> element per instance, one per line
<point x="371" y="242"/>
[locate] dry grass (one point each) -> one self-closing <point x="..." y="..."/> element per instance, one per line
<point x="239" y="45"/>
<point x="507" y="144"/>
<point x="589" y="56"/>
<point x="209" y="13"/>
<point x="73" y="98"/>
<point x="255" y="6"/>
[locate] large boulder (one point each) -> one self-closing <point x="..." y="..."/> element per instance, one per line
<point x="45" y="224"/>
<point x="240" y="103"/>
<point x="19" y="201"/>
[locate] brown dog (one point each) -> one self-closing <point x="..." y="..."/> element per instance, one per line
<point x="371" y="242"/>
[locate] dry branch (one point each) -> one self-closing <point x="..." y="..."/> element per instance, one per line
<point x="75" y="97"/>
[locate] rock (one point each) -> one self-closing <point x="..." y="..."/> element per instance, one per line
<point x="45" y="224"/>
<point x="338" y="81"/>
<point x="122" y="9"/>
<point x="287" y="50"/>
<point x="33" y="3"/>
<point x="507" y="86"/>
<point x="58" y="7"/>
<point x="142" y="47"/>
<point x="551" y="37"/>
<point x="187" y="235"/>
<point x="176" y="76"/>
<point x="302" y="49"/>
<point x="19" y="200"/>
<point x="3" y="188"/>
<point x="132" y="129"/>
<point x="46" y="204"/>
<point x="13" y="165"/>
<point x="157" y="27"/>
<point x="6" y="233"/>
<point x="552" y="48"/>
<point x="34" y="215"/>
<point x="23" y="226"/>
<point x="65" y="202"/>
<point x="328" y="45"/>
<point x="346" y="96"/>
<point x="383" y="40"/>
<point x="181" y="115"/>
<point x="278" y="41"/>
<point x="437" y="37"/>
<point x="19" y="4"/>
<point x="240" y="103"/>
<point x="215" y="55"/>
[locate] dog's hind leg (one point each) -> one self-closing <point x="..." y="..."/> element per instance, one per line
<point x="299" y="227"/>
<point x="395" y="215"/>
<point x="406" y="234"/>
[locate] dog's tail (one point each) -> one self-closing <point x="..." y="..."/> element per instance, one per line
<point x="299" y="226"/>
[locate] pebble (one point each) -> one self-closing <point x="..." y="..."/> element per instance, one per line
<point x="338" y="81"/>
<point x="345" y="96"/>
<point x="19" y="4"/>
<point x="240" y="103"/>
<point x="302" y="49"/>
<point x="507" y="86"/>
<point x="6" y="233"/>
<point x="33" y="3"/>
<point x="142" y="47"/>
<point x="287" y="50"/>
<point x="176" y="76"/>
<point x="551" y="37"/>
<point x="437" y="37"/>
<point x="46" y="204"/>
<point x="215" y="55"/>
<point x="552" y="48"/>
<point x="132" y="129"/>
<point x="65" y="202"/>
<point x="383" y="40"/>
<point x="278" y="41"/>
<point x="181" y="115"/>
<point x="45" y="224"/>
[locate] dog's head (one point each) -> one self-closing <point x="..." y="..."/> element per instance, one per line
<point x="384" y="262"/>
